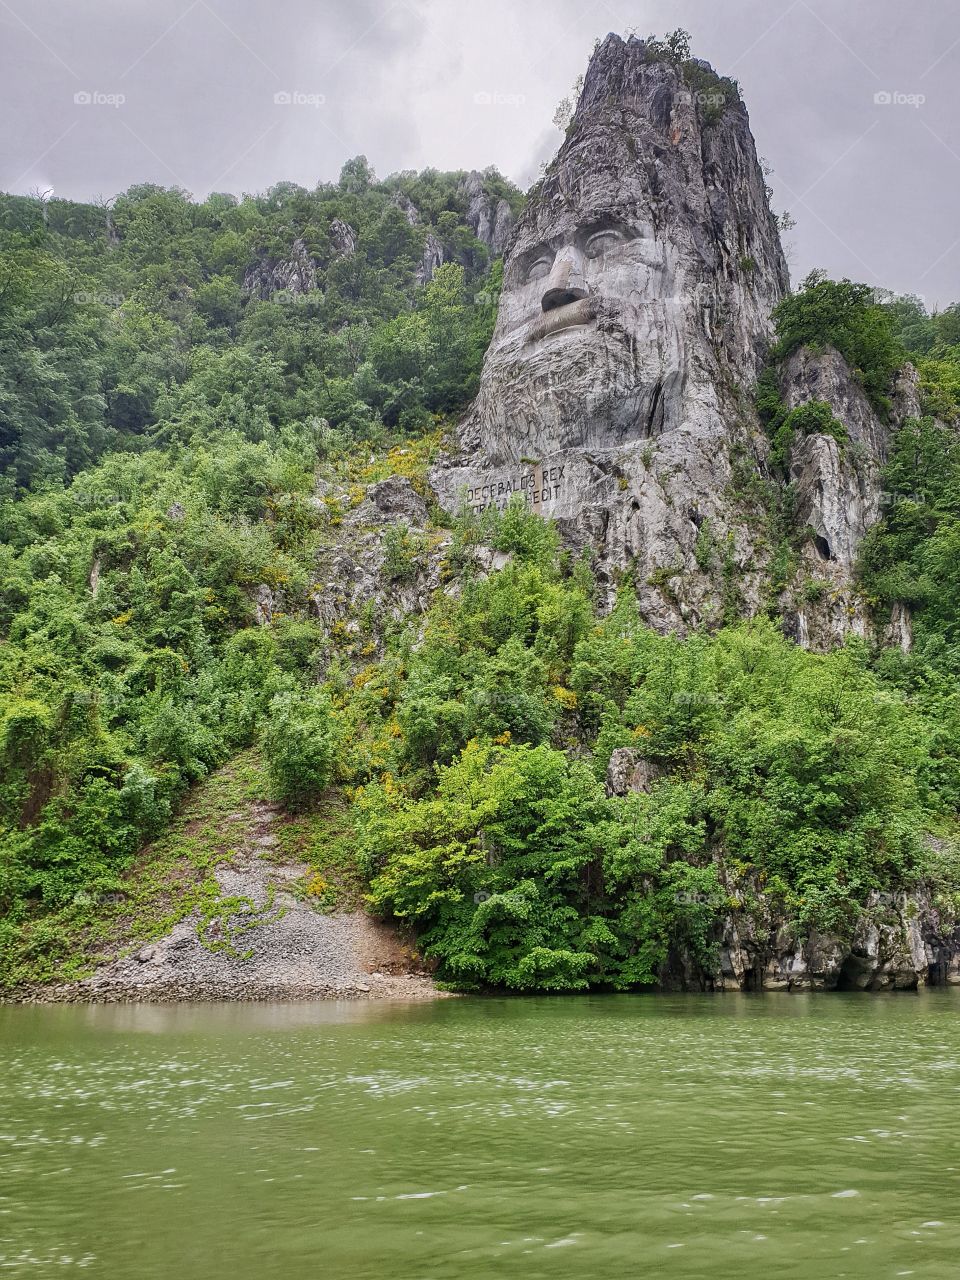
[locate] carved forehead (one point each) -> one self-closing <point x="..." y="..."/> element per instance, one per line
<point x="552" y="220"/>
<point x="596" y="180"/>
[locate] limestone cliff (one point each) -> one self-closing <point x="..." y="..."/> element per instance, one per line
<point x="838" y="496"/>
<point x="617" y="392"/>
<point x="634" y="316"/>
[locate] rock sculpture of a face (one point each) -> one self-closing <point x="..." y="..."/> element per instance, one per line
<point x="646" y="259"/>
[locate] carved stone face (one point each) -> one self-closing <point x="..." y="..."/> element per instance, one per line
<point x="626" y="301"/>
<point x="588" y="343"/>
<point x="565" y="282"/>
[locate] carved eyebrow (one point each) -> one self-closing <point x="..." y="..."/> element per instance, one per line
<point x="603" y="233"/>
<point x="542" y="254"/>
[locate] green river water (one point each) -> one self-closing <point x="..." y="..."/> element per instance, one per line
<point x="732" y="1136"/>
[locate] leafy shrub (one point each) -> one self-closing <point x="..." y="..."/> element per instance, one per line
<point x="298" y="746"/>
<point x="846" y="316"/>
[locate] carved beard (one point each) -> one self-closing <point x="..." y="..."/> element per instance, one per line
<point x="594" y="390"/>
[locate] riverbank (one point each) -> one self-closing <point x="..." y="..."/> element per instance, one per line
<point x="240" y="901"/>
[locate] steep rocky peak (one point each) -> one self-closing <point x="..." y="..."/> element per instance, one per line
<point x="668" y="143"/>
<point x="632" y="71"/>
<point x="490" y="217"/>
<point x="643" y="271"/>
<point x="634" y="318"/>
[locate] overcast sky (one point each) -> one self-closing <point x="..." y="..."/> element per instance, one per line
<point x="182" y="92"/>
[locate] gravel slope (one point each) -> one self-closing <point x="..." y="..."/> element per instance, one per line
<point x="274" y="946"/>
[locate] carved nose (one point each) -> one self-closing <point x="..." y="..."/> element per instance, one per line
<point x="566" y="282"/>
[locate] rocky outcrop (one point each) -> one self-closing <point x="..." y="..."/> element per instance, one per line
<point x="284" y="277"/>
<point x="491" y="217"/>
<point x="617" y="392"/>
<point x="391" y="501"/>
<point x="293" y="277"/>
<point x="431" y="258"/>
<point x="343" y="238"/>
<point x="629" y="771"/>
<point x="634" y="318"/>
<point x="899" y="943"/>
<point x="356" y="586"/>
<point x="838" y="497"/>
<point x="407" y="208"/>
<point x="837" y="485"/>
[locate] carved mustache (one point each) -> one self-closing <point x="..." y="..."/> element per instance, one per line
<point x="580" y="312"/>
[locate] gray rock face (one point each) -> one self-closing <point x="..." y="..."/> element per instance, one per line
<point x="492" y="219"/>
<point x="634" y="314"/>
<point x="617" y="392"/>
<point x="407" y="208"/>
<point x="263" y="605"/>
<point x="629" y="771"/>
<point x="353" y="585"/>
<point x="838" y="487"/>
<point x="641" y="275"/>
<point x="432" y="258"/>
<point x="900" y="943"/>
<point x="391" y="501"/>
<point x="839" y="495"/>
<point x="293" y="276"/>
<point x="343" y="238"/>
<point x="284" y="279"/>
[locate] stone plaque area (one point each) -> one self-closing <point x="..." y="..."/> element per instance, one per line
<point x="540" y="486"/>
<point x="557" y="487"/>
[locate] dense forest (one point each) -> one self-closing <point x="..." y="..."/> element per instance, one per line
<point x="194" y="396"/>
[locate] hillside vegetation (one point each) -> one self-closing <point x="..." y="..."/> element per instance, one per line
<point x="173" y="442"/>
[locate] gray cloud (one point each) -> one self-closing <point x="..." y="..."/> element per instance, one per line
<point x="412" y="83"/>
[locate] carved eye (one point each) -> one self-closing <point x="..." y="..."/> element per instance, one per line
<point x="601" y="241"/>
<point x="539" y="269"/>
